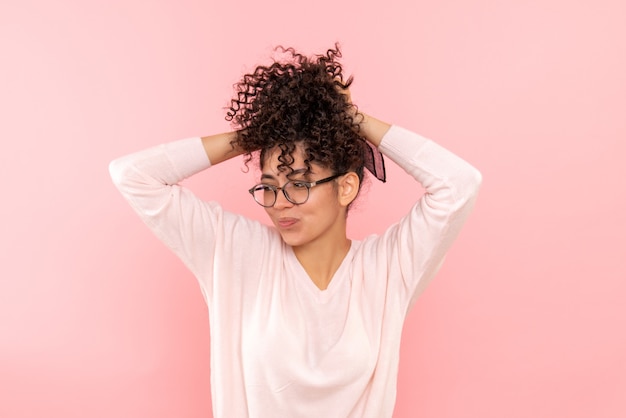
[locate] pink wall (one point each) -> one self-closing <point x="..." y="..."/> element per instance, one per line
<point x="526" y="319"/>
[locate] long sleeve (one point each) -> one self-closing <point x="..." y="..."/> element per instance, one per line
<point x="198" y="232"/>
<point x="419" y="242"/>
<point x="149" y="179"/>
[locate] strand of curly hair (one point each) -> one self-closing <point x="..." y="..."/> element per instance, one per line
<point x="299" y="100"/>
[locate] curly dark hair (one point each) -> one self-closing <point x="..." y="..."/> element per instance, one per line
<point x="299" y="100"/>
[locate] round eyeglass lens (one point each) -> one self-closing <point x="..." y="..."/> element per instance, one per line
<point x="264" y="195"/>
<point x="297" y="192"/>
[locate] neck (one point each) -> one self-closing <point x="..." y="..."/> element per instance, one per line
<point x="322" y="258"/>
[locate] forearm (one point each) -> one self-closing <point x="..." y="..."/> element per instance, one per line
<point x="220" y="147"/>
<point x="373" y="129"/>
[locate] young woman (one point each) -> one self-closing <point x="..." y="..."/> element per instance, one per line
<point x="304" y="321"/>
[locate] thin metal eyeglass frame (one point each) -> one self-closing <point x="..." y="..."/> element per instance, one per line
<point x="275" y="189"/>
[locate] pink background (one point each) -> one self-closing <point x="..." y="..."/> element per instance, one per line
<point x="526" y="319"/>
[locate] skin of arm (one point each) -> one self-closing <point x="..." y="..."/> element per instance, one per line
<point x="373" y="129"/>
<point x="218" y="147"/>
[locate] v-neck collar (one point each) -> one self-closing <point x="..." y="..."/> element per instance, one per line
<point x="302" y="277"/>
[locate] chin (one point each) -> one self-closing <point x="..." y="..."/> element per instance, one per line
<point x="292" y="240"/>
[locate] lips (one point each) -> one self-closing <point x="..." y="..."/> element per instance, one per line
<point x="286" y="222"/>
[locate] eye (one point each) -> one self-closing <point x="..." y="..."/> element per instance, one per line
<point x="264" y="187"/>
<point x="299" y="184"/>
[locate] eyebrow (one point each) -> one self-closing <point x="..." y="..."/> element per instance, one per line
<point x="293" y="173"/>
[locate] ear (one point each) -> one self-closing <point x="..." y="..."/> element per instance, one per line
<point x="348" y="188"/>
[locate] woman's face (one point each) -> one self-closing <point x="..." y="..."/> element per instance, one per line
<point x="320" y="219"/>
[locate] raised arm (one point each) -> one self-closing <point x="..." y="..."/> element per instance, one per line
<point x="419" y="242"/>
<point x="149" y="181"/>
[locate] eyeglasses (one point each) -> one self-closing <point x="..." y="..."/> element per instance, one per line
<point x="295" y="191"/>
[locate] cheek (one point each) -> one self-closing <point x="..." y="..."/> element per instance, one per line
<point x="331" y="195"/>
<point x="324" y="202"/>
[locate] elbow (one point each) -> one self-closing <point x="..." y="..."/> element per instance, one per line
<point x="122" y="173"/>
<point x="477" y="180"/>
<point x="472" y="187"/>
<point x="467" y="191"/>
<point x="116" y="171"/>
